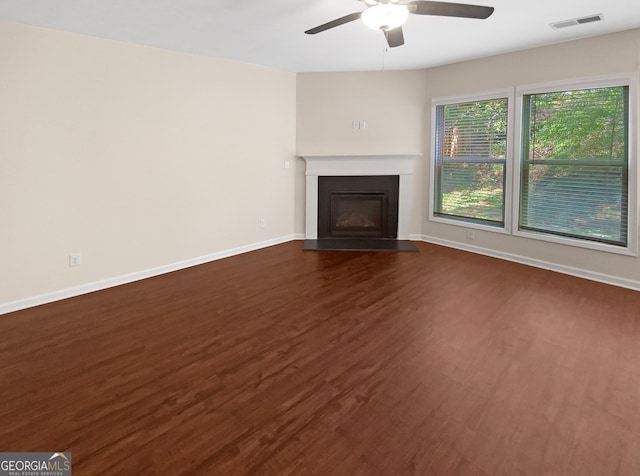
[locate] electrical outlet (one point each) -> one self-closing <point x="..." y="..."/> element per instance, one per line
<point x="263" y="222"/>
<point x="75" y="259"/>
<point x="470" y="235"/>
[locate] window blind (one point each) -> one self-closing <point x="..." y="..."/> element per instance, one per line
<point x="574" y="180"/>
<point x="471" y="144"/>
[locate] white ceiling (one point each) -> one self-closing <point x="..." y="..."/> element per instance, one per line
<point x="270" y="32"/>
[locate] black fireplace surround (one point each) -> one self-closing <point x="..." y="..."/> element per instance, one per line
<point x="358" y="207"/>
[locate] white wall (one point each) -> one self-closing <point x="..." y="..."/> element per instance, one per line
<point x="397" y="105"/>
<point x="136" y="157"/>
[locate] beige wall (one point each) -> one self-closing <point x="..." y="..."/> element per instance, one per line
<point x="393" y="105"/>
<point x="139" y="157"/>
<point x="397" y="108"/>
<point x="135" y="157"/>
<point x="598" y="56"/>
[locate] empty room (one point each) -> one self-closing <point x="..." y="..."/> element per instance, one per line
<point x="336" y="237"/>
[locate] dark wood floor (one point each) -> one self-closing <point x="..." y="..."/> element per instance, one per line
<point x="284" y="362"/>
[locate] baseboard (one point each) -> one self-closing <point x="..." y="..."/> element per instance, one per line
<point x="26" y="303"/>
<point x="577" y="272"/>
<point x="20" y="304"/>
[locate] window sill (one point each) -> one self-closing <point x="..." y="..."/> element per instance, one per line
<point x="469" y="224"/>
<point x="629" y="250"/>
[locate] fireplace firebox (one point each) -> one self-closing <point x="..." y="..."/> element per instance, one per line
<point x="358" y="206"/>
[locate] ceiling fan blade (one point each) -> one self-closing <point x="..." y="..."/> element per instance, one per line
<point x="445" y="9"/>
<point x="394" y="37"/>
<point x="334" y="23"/>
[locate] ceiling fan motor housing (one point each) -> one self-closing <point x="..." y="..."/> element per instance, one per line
<point x="385" y="16"/>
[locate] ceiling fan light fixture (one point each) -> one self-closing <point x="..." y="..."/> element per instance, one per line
<point x="385" y="16"/>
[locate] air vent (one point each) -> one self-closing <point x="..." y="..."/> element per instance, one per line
<point x="576" y="21"/>
<point x="590" y="19"/>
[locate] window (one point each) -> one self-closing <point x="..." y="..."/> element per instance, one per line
<point x="575" y="182"/>
<point x="574" y="167"/>
<point x="573" y="179"/>
<point x="470" y="161"/>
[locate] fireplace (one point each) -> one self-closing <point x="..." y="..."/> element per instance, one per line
<point x="371" y="216"/>
<point x="358" y="207"/>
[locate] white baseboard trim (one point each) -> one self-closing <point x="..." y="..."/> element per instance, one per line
<point x="20" y="304"/>
<point x="559" y="268"/>
<point x="26" y="303"/>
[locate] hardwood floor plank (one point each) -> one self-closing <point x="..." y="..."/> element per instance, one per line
<point x="281" y="362"/>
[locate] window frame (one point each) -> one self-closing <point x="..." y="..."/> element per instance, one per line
<point x="629" y="80"/>
<point x="505" y="93"/>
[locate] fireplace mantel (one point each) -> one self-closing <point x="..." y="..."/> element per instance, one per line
<point x="344" y="165"/>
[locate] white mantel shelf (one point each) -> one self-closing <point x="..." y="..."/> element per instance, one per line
<point x="343" y="165"/>
<point x="379" y="164"/>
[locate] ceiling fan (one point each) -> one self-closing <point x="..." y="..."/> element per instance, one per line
<point x="389" y="16"/>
